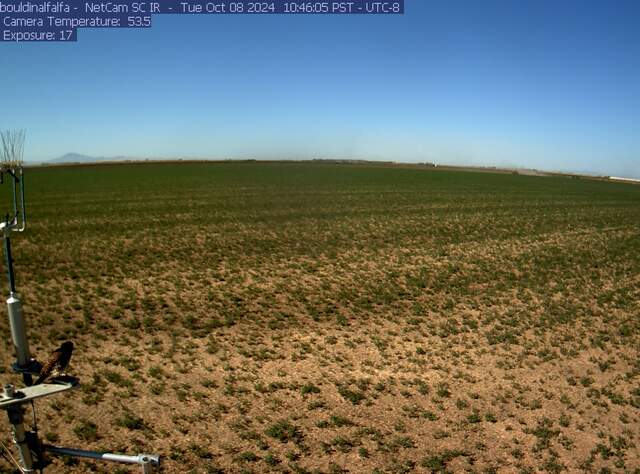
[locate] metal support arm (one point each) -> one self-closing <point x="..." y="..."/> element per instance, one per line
<point x="147" y="461"/>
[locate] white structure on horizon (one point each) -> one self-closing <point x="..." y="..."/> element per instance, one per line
<point x="630" y="180"/>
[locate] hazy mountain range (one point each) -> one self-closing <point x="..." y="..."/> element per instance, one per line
<point x="79" y="158"/>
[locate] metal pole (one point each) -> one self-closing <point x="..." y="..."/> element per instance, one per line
<point x="18" y="331"/>
<point x="9" y="261"/>
<point x="16" y="319"/>
<point x="16" y="419"/>
<point x="15" y="195"/>
<point x="146" y="461"/>
<point x="23" y="209"/>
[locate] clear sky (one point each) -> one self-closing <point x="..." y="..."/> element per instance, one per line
<point x="548" y="84"/>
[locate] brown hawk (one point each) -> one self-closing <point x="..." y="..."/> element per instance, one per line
<point x="58" y="361"/>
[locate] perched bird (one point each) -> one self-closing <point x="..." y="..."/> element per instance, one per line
<point x="58" y="361"/>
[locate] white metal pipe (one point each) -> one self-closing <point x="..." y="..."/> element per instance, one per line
<point x="19" y="437"/>
<point x="18" y="330"/>
<point x="147" y="461"/>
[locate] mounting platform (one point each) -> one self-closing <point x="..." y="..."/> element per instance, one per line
<point x="11" y="397"/>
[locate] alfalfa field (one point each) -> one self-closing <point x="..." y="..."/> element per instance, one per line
<point x="318" y="317"/>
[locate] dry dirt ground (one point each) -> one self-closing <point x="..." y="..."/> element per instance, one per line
<point x="363" y="328"/>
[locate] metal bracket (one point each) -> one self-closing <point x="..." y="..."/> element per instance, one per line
<point x="33" y="367"/>
<point x="11" y="397"/>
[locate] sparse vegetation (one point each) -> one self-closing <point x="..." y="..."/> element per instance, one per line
<point x="258" y="317"/>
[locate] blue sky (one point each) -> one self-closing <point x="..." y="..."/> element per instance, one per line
<point x="543" y="84"/>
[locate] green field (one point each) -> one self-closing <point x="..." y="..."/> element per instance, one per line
<point x="313" y="317"/>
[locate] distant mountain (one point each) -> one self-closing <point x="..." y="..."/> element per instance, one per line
<point x="78" y="158"/>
